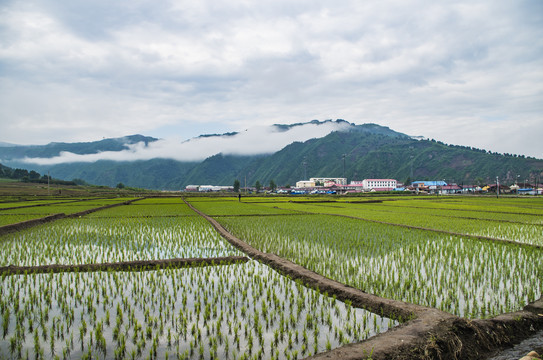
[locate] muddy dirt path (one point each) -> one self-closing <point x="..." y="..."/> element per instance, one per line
<point x="428" y="334"/>
<point x="136" y="265"/>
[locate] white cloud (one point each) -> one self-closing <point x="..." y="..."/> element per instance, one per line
<point x="256" y="140"/>
<point x="78" y="70"/>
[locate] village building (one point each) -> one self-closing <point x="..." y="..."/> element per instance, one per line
<point x="305" y="184"/>
<point x="323" y="180"/>
<point x="450" y="189"/>
<point x="379" y="184"/>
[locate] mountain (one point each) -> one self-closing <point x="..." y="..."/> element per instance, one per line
<point x="374" y="155"/>
<point x="13" y="152"/>
<point x="353" y="151"/>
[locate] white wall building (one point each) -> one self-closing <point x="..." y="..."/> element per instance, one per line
<point x="379" y="184"/>
<point x="305" y="184"/>
<point x="209" y="188"/>
<point x="338" y="181"/>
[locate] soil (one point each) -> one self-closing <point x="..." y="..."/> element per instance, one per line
<point x="428" y="333"/>
<point x="124" y="265"/>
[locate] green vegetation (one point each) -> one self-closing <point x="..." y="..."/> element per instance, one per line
<point x="248" y="310"/>
<point x="425" y="267"/>
<point x="526" y="226"/>
<point x="13" y="219"/>
<point x="44" y="208"/>
<point x="115" y="239"/>
<point x="155" y="207"/>
<point x="466" y="277"/>
<point x="236" y="311"/>
<point x="217" y="207"/>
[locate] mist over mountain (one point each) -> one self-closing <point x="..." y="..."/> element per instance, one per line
<point x="283" y="153"/>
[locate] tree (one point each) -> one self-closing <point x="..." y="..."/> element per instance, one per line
<point x="236" y="185"/>
<point x="479" y="182"/>
<point x="258" y="186"/>
<point x="273" y="186"/>
<point x="120" y="185"/>
<point x="20" y="173"/>
<point x="78" y="181"/>
<point x="33" y="175"/>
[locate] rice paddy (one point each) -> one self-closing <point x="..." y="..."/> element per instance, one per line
<point x="247" y="310"/>
<point x="466" y="277"/>
<point x="237" y="311"/>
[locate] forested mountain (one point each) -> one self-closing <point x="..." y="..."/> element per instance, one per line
<point x="357" y="152"/>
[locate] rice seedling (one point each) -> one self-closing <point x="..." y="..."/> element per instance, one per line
<point x="455" y="274"/>
<point x="464" y="221"/>
<point x="209" y="310"/>
<point x="247" y="310"/>
<point x="84" y="241"/>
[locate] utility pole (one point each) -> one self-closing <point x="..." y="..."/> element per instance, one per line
<point x="48" y="177"/>
<point x="411" y="160"/>
<point x="304" y="164"/>
<point x="344" y="164"/>
<point x="497" y="187"/>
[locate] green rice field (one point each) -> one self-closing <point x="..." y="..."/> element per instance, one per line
<point x="422" y="250"/>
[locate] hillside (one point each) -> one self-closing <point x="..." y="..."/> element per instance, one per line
<point x="380" y="156"/>
<point x="358" y="152"/>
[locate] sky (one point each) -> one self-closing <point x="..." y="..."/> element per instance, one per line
<point x="462" y="72"/>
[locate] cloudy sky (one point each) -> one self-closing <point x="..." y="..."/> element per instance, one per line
<point x="463" y="72"/>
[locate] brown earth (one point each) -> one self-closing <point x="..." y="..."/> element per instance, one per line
<point x="124" y="265"/>
<point x="428" y="333"/>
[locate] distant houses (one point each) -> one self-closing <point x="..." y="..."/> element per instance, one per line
<point x="330" y="185"/>
<point x="207" y="188"/>
<point x="323" y="185"/>
<point x="339" y="185"/>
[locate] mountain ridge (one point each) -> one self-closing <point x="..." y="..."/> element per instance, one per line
<point x="354" y="151"/>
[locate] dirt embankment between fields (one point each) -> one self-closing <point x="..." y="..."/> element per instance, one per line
<point x="34" y="222"/>
<point x="137" y="265"/>
<point x="428" y="333"/>
<point x="478" y="237"/>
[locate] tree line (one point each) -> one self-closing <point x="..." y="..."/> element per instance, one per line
<point x="34" y="177"/>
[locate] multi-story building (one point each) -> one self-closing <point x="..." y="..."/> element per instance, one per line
<point x="305" y="184"/>
<point x="378" y="184"/>
<point x="337" y="181"/>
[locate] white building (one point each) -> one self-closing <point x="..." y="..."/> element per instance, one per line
<point x="338" y="181"/>
<point x="379" y="184"/>
<point x="305" y="184"/>
<point x="209" y="188"/>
